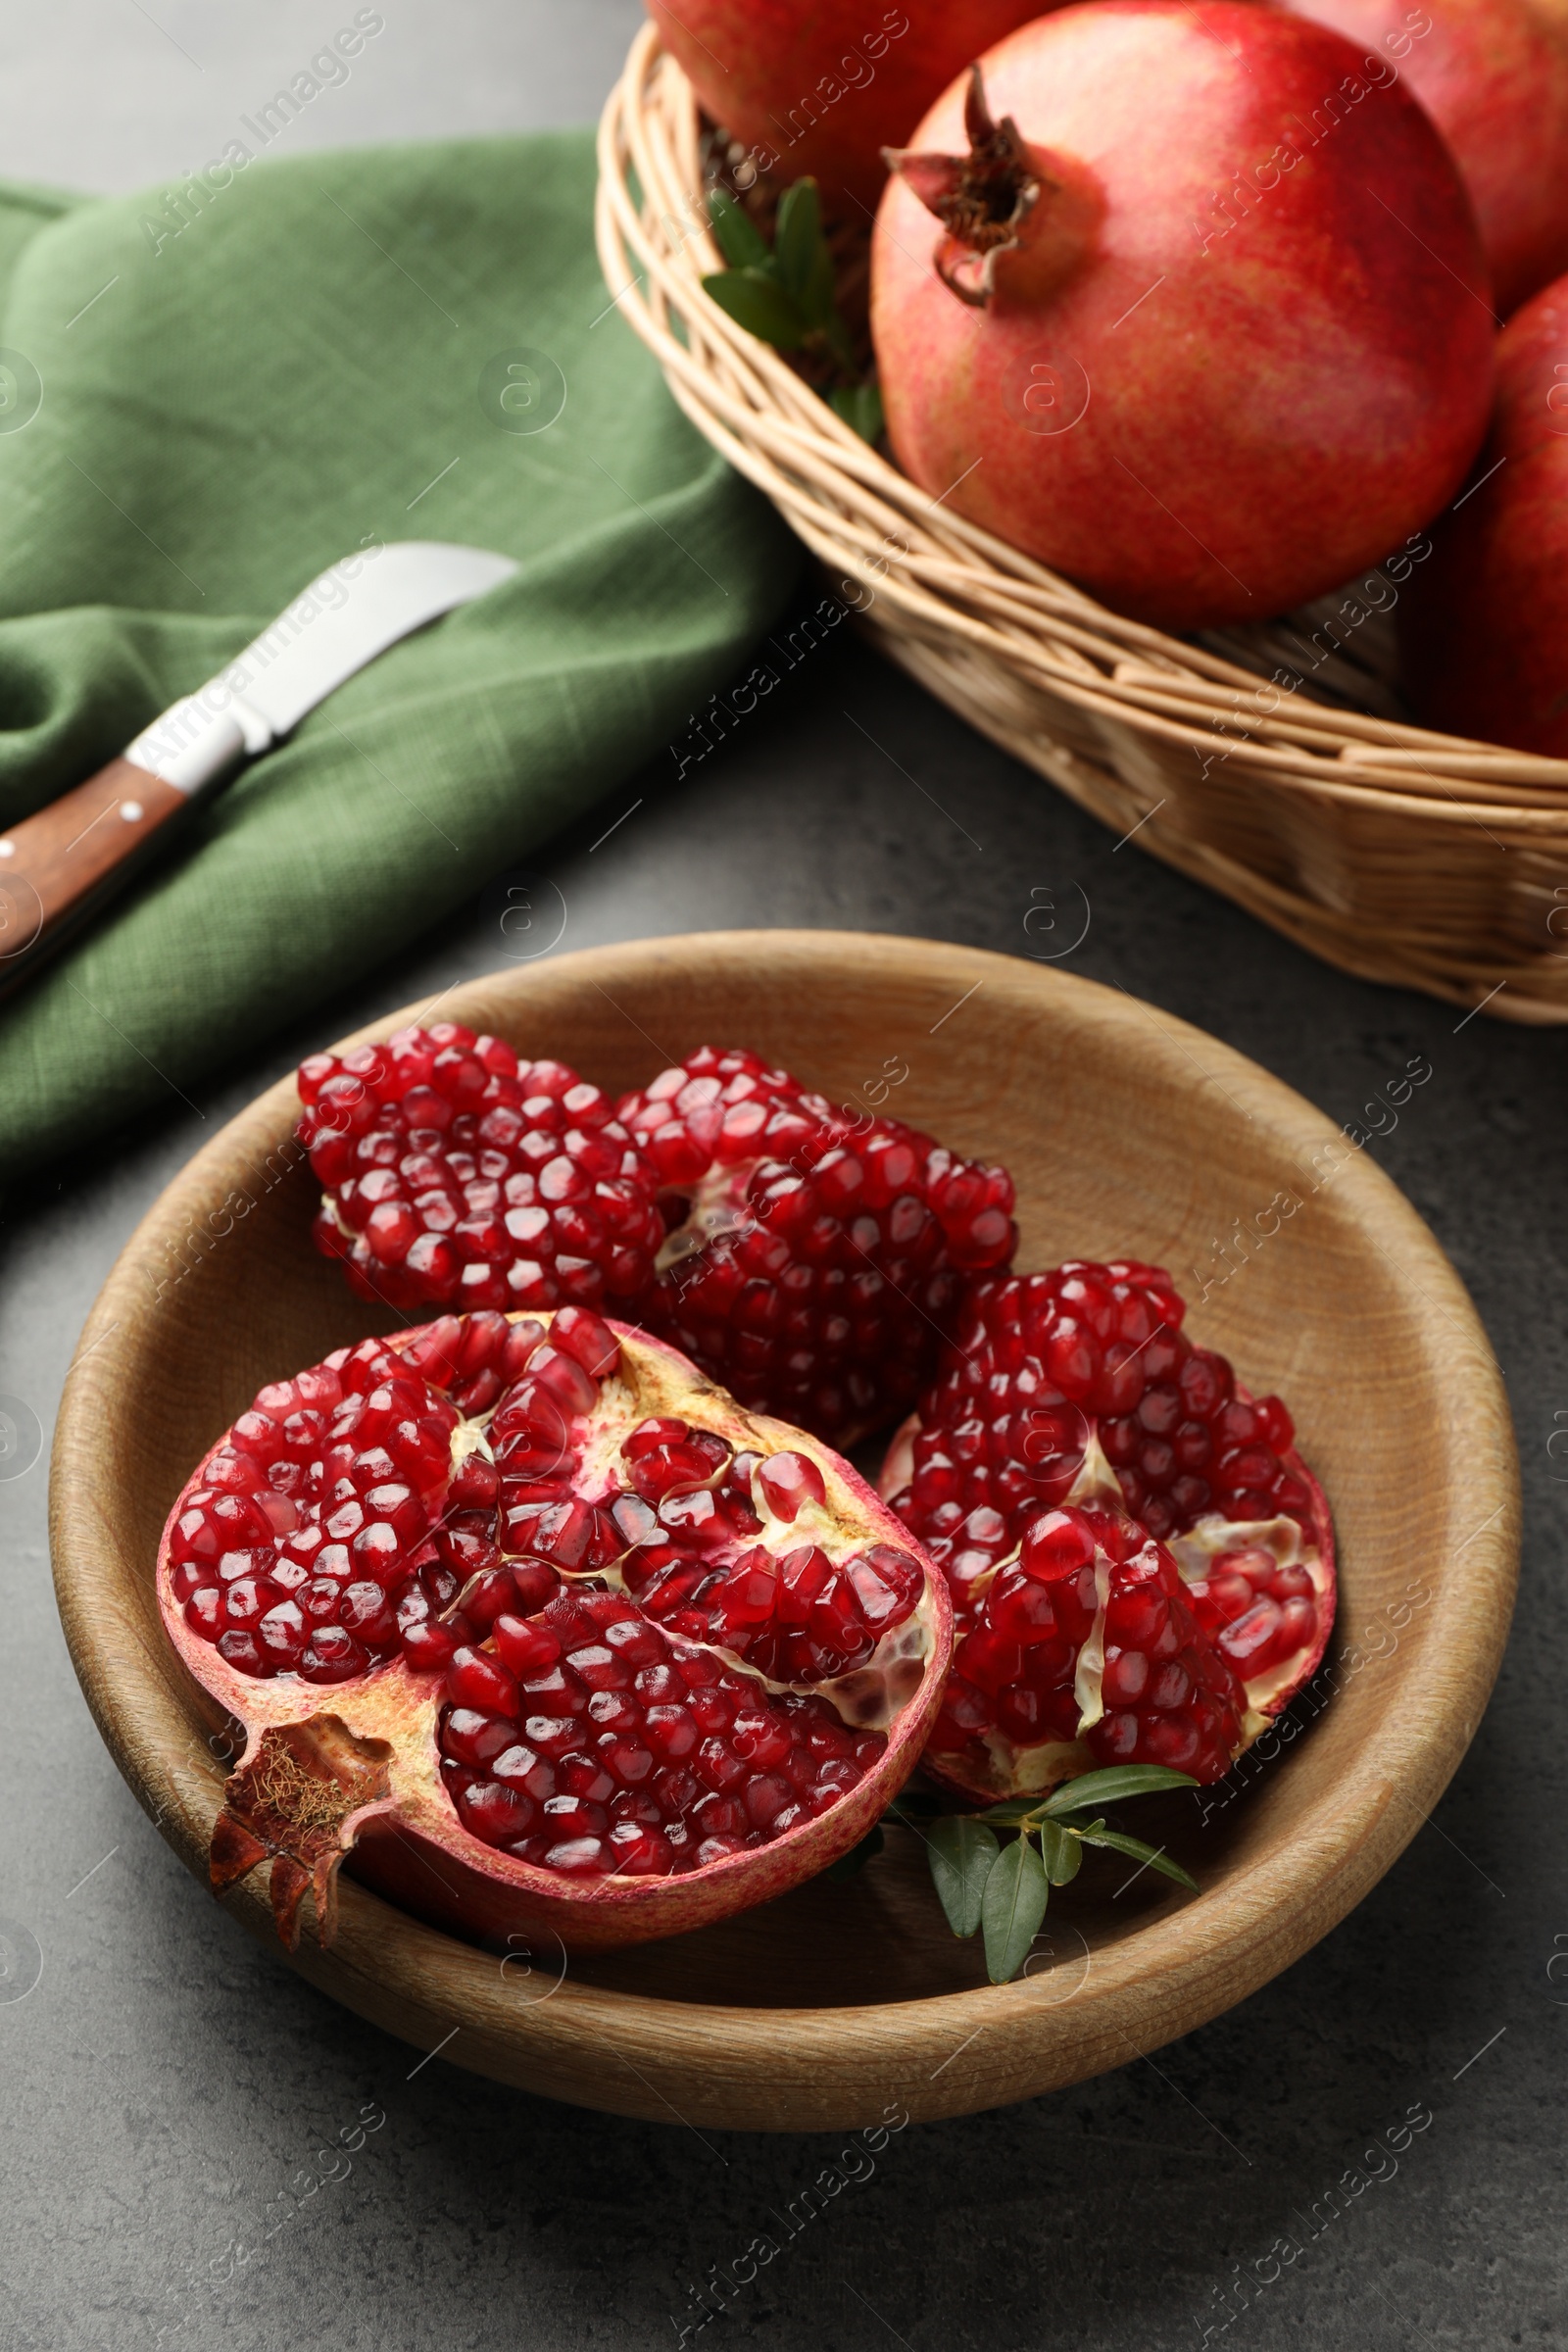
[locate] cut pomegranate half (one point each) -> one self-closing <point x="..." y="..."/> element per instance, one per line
<point x="547" y="1633"/>
<point x="457" y="1175"/>
<point x="815" y="1256"/>
<point x="1075" y="1394"/>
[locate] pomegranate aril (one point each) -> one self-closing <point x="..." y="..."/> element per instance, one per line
<point x="1249" y="1641"/>
<point x="523" y="1768"/>
<point x="482" y="1683"/>
<point x="788" y="1482"/>
<point x="498" y="1813"/>
<point x="248" y="1598"/>
<point x="1299" y="1626"/>
<point x="428" y="1646"/>
<point x="590" y="1341"/>
<point x="476" y="1738"/>
<point x="244" y="1652"/>
<point x="189" y="1577"/>
<point x="320" y="1598"/>
<point x="332" y="1656"/>
<point x="205" y="1612"/>
<point x="525" y="1647"/>
<point x="574" y="1857"/>
<point x="486" y="1596"/>
<point x="759" y="1739"/>
<point x="671" y="1731"/>
<point x="639" y="1851"/>
<point x="281" y="1635"/>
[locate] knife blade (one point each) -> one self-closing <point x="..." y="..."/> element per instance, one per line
<point x="59" y="865"/>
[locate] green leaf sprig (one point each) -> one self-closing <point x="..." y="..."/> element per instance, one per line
<point x="1002" y="1890"/>
<point x="784" y="293"/>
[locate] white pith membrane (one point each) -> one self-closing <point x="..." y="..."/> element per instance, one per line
<point x="716" y="1206"/>
<point x="322" y="1762"/>
<point x="1031" y="1771"/>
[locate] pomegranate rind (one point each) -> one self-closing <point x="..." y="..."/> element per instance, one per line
<point x="1011" y="1770"/>
<point x="407" y="1843"/>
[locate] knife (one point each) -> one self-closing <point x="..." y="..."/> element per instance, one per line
<point x="59" y="865"/>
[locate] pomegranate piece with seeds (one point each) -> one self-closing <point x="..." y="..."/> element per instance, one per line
<point x="1079" y="1387"/>
<point x="815" y="1256"/>
<point x="1085" y="1650"/>
<point x="1039" y="1358"/>
<point x="545" y="1632"/>
<point x="457" y="1174"/>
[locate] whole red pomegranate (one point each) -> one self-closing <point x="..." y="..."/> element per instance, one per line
<point x="1202" y="318"/>
<point x="544" y="1632"/>
<point x="821" y="86"/>
<point x="1484" y="626"/>
<point x="1495" y="80"/>
<point x="1142" y="1566"/>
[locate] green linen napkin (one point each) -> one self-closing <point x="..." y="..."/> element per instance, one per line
<point x="208" y="395"/>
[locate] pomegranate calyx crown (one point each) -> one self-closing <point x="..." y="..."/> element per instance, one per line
<point x="298" y="1798"/>
<point x="982" y="199"/>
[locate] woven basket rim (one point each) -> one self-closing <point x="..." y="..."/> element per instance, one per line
<point x="952" y="597"/>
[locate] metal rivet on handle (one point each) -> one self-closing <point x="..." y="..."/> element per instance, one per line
<point x="131" y="811"/>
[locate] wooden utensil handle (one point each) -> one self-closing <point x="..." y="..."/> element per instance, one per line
<point x="61" y="863"/>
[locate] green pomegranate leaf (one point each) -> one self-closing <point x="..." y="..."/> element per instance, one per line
<point x="1062" y="1853"/>
<point x="818" y="296"/>
<point x="735" y="234"/>
<point x="1150" y="1856"/>
<point x="756" y="301"/>
<point x="799" y="250"/>
<point x="861" y="406"/>
<point x="1110" y="1787"/>
<point x="962" y="1854"/>
<point x="1012" y="1907"/>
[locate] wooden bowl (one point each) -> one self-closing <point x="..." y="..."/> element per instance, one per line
<point x="1129" y="1133"/>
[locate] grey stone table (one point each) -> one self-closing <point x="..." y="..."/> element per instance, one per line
<point x="166" y="2085"/>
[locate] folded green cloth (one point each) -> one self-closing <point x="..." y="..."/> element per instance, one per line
<point x="208" y="396"/>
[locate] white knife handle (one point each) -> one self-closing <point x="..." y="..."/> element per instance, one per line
<point x="195" y="745"/>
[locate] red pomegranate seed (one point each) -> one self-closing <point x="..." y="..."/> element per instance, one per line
<point x="475" y="1681"/>
<point x="790" y="1481"/>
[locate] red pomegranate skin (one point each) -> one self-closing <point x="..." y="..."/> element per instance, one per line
<point x="824" y="88"/>
<point x="1484" y="630"/>
<point x="1241" y="349"/>
<point x="1494" y="80"/>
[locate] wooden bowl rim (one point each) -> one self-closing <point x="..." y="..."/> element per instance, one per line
<point x="734" y="2067"/>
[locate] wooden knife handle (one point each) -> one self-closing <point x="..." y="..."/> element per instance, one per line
<point x="58" y="865"/>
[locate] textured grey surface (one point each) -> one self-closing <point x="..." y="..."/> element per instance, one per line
<point x="164" y="2085"/>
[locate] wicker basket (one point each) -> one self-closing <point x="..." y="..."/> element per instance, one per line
<point x="1400" y="855"/>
